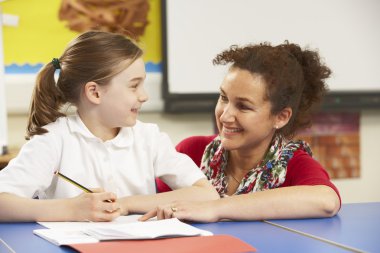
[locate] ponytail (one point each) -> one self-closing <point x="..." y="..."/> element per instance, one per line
<point x="46" y="102"/>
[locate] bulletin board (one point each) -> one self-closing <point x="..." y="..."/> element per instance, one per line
<point x="345" y="32"/>
<point x="42" y="35"/>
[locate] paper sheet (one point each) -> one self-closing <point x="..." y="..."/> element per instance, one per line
<point x="146" y="230"/>
<point x="124" y="228"/>
<point x="89" y="224"/>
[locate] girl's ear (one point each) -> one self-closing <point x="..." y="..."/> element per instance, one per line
<point x="283" y="117"/>
<point x="92" y="92"/>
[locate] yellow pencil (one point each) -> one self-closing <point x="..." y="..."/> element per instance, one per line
<point x="85" y="189"/>
<point x="73" y="182"/>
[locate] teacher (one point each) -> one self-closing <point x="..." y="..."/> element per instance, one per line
<point x="254" y="163"/>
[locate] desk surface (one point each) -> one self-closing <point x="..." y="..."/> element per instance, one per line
<point x="264" y="237"/>
<point x="356" y="225"/>
<point x="20" y="237"/>
<point x="268" y="238"/>
<point x="4" y="159"/>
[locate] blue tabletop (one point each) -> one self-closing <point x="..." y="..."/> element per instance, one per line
<point x="264" y="237"/>
<point x="268" y="238"/>
<point x="356" y="225"/>
<point x="20" y="237"/>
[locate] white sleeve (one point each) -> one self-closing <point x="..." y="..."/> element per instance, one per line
<point x="32" y="170"/>
<point x="176" y="169"/>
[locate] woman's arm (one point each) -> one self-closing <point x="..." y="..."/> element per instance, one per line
<point x="282" y="203"/>
<point x="85" y="207"/>
<point x="201" y="190"/>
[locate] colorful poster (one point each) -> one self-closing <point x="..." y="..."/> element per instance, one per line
<point x="46" y="26"/>
<point x="335" y="141"/>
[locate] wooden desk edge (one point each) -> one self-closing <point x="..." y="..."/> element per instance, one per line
<point x="4" y="159"/>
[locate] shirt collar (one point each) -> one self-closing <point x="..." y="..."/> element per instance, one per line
<point x="123" y="139"/>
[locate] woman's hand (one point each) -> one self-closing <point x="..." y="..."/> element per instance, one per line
<point x="162" y="212"/>
<point x="201" y="211"/>
<point x="96" y="206"/>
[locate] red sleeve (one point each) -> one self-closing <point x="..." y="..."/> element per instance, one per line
<point x="193" y="147"/>
<point x="305" y="170"/>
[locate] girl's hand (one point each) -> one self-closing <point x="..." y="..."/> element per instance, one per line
<point x="96" y="206"/>
<point x="201" y="211"/>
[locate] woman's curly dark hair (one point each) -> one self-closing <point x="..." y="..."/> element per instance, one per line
<point x="294" y="77"/>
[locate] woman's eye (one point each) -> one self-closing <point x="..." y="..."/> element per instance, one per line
<point x="223" y="98"/>
<point x="243" y="107"/>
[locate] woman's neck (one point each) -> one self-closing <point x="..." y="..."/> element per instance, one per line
<point x="241" y="161"/>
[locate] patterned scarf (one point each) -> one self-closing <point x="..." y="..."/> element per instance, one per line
<point x="270" y="172"/>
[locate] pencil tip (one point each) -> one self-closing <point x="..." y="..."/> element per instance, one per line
<point x="56" y="172"/>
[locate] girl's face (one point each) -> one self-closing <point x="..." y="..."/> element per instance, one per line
<point x="243" y="117"/>
<point x="123" y="97"/>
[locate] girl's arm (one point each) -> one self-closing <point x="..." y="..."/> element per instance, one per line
<point x="282" y="203"/>
<point x="177" y="170"/>
<point x="85" y="207"/>
<point x="201" y="190"/>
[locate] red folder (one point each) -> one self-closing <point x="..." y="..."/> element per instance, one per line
<point x="209" y="244"/>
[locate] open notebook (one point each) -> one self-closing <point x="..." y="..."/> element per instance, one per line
<point x="104" y="231"/>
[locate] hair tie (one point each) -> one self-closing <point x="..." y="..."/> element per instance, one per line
<point x="56" y="63"/>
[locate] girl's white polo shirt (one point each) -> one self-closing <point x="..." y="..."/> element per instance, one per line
<point x="126" y="165"/>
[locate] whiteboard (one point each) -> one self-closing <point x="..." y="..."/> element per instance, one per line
<point x="346" y="33"/>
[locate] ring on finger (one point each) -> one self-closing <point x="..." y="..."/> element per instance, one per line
<point x="174" y="209"/>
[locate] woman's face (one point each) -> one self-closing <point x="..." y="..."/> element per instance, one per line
<point x="243" y="116"/>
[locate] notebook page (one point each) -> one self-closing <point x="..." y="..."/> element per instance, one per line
<point x="87" y="224"/>
<point x="146" y="230"/>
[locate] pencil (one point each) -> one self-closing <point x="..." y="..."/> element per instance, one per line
<point x="73" y="182"/>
